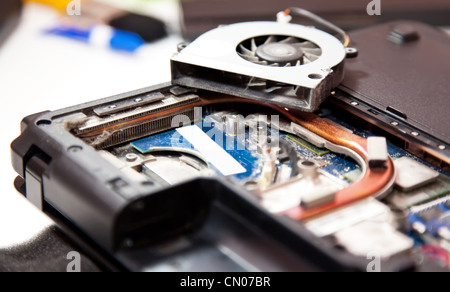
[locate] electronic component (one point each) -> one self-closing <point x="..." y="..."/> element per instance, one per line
<point x="412" y="175"/>
<point x="165" y="162"/>
<point x="362" y="228"/>
<point x="201" y="160"/>
<point x="287" y="52"/>
<point x="377" y="152"/>
<point x="238" y="160"/>
<point x="279" y="63"/>
<point x="309" y="191"/>
<point x="432" y="218"/>
<point x="429" y="215"/>
<point x="316" y="150"/>
<point x="374" y="237"/>
<point x="345" y="217"/>
<point x="404" y="200"/>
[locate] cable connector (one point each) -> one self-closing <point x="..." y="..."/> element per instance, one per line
<point x="284" y="16"/>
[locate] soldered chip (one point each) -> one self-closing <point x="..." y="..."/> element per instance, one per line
<point x="309" y="146"/>
<point x="430" y="214"/>
<point x="412" y="174"/>
<point x="369" y="236"/>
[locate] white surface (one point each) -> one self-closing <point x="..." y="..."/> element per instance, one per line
<point x="412" y="174"/>
<point x="213" y="153"/>
<point x="39" y="72"/>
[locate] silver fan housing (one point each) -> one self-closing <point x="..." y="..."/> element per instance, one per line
<point x="212" y="62"/>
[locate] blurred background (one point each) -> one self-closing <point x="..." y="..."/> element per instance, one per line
<point x="58" y="53"/>
<point x="203" y="15"/>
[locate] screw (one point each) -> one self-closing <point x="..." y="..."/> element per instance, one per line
<point x="351" y="52"/>
<point x="128" y="242"/>
<point x="131" y="157"/>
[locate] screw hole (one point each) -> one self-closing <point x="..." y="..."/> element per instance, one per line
<point x="308" y="163"/>
<point x="43" y="122"/>
<point x="315" y="76"/>
<point x="75" y="149"/>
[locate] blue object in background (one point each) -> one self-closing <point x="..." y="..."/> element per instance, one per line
<point x="126" y="41"/>
<point x="118" y="40"/>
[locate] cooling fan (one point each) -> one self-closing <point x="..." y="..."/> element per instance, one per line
<point x="274" y="52"/>
<point x="286" y="64"/>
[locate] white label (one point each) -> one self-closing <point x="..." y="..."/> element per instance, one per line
<point x="215" y="154"/>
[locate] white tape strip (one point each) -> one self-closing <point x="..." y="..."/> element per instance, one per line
<point x="215" y="154"/>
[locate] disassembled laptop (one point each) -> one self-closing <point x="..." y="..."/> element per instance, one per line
<point x="276" y="147"/>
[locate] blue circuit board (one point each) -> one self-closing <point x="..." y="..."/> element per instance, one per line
<point x="433" y="218"/>
<point x="171" y="140"/>
<point x="252" y="160"/>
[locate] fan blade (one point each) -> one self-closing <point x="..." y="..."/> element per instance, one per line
<point x="316" y="51"/>
<point x="299" y="63"/>
<point x="306" y="60"/>
<point x="271" y="39"/>
<point x="246" y="51"/>
<point x="262" y="63"/>
<point x="283" y="90"/>
<point x="306" y="45"/>
<point x="254" y="46"/>
<point x="275" y="65"/>
<point x="272" y="89"/>
<point x="249" y="58"/>
<point x="257" y="83"/>
<point x="289" y="40"/>
<point x="311" y="57"/>
<point x="288" y="65"/>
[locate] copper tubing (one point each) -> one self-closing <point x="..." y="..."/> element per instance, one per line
<point x="371" y="184"/>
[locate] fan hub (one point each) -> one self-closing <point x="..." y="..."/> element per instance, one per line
<point x="280" y="53"/>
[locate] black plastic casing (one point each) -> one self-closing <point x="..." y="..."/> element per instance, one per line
<point x="92" y="193"/>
